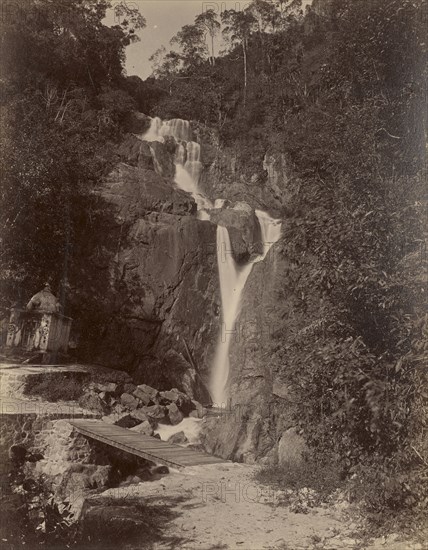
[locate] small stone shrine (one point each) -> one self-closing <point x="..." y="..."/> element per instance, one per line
<point x="40" y="327"/>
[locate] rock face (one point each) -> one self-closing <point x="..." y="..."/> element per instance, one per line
<point x="137" y="123"/>
<point x="261" y="184"/>
<point x="258" y="417"/>
<point x="137" y="191"/>
<point x="161" y="308"/>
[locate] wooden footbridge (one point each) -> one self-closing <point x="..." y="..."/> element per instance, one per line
<point x="144" y="446"/>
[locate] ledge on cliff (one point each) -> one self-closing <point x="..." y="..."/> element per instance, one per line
<point x="137" y="191"/>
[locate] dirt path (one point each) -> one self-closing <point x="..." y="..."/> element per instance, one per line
<point x="221" y="506"/>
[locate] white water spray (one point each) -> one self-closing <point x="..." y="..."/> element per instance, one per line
<point x="190" y="426"/>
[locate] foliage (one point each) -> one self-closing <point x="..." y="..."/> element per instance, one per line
<point x="53" y="387"/>
<point x="63" y="105"/>
<point x="191" y="40"/>
<point x="208" y="22"/>
<point x="33" y="518"/>
<point x="323" y="478"/>
<point x="339" y="92"/>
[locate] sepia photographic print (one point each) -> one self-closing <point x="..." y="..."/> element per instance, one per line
<point x="213" y="275"/>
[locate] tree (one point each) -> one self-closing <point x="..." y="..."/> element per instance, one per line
<point x="166" y="66"/>
<point x="238" y="28"/>
<point x="62" y="103"/>
<point x="208" y="20"/>
<point x="191" y="40"/>
<point x="343" y="103"/>
<point x="265" y="14"/>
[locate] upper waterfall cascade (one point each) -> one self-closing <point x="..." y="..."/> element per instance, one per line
<point x="187" y="161"/>
<point x="233" y="277"/>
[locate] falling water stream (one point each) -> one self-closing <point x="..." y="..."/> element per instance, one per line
<point x="232" y="276"/>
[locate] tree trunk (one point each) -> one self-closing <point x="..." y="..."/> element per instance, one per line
<point x="212" y="49"/>
<point x="244" y="47"/>
<point x="67" y="252"/>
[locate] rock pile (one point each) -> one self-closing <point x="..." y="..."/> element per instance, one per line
<point x="139" y="408"/>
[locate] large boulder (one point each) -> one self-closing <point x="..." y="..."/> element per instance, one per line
<point x="156" y="412"/>
<point x="170" y="396"/>
<point x="129" y="401"/>
<point x="243" y="228"/>
<point x="291" y="448"/>
<point x="93" y="402"/>
<point x="180" y="399"/>
<point x="143" y="397"/>
<point x="137" y="123"/>
<point x="140" y="415"/>
<point x="174" y="414"/>
<point x="178" y="438"/>
<point x="127" y="421"/>
<point x="151" y="393"/>
<point x="129" y="387"/>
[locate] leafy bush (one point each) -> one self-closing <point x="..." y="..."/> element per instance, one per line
<point x="54" y="387"/>
<point x="324" y="478"/>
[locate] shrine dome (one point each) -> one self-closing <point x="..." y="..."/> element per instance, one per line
<point x="44" y="301"/>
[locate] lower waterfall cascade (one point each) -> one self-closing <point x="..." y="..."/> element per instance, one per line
<point x="232" y="276"/>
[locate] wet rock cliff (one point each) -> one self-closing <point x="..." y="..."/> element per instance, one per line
<point x="164" y="306"/>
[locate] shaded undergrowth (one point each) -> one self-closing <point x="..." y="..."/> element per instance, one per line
<point x="54" y="387"/>
<point x="322" y="478"/>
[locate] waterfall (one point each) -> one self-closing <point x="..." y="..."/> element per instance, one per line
<point x="178" y="128"/>
<point x="187" y="160"/>
<point x="153" y="133"/>
<point x="232" y="277"/>
<point x="159" y="129"/>
<point x="271" y="232"/>
<point x="232" y="283"/>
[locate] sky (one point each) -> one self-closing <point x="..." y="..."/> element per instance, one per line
<point x="164" y="19"/>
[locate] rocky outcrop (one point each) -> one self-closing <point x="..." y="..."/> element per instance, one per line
<point x="163" y="156"/>
<point x="143" y="409"/>
<point x="262" y="409"/>
<point x="243" y="228"/>
<point x="261" y="184"/>
<point x="137" y="123"/>
<point x="137" y="191"/>
<point x="162" y="304"/>
<point x="135" y="152"/>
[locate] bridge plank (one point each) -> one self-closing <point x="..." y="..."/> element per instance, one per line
<point x="143" y="446"/>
